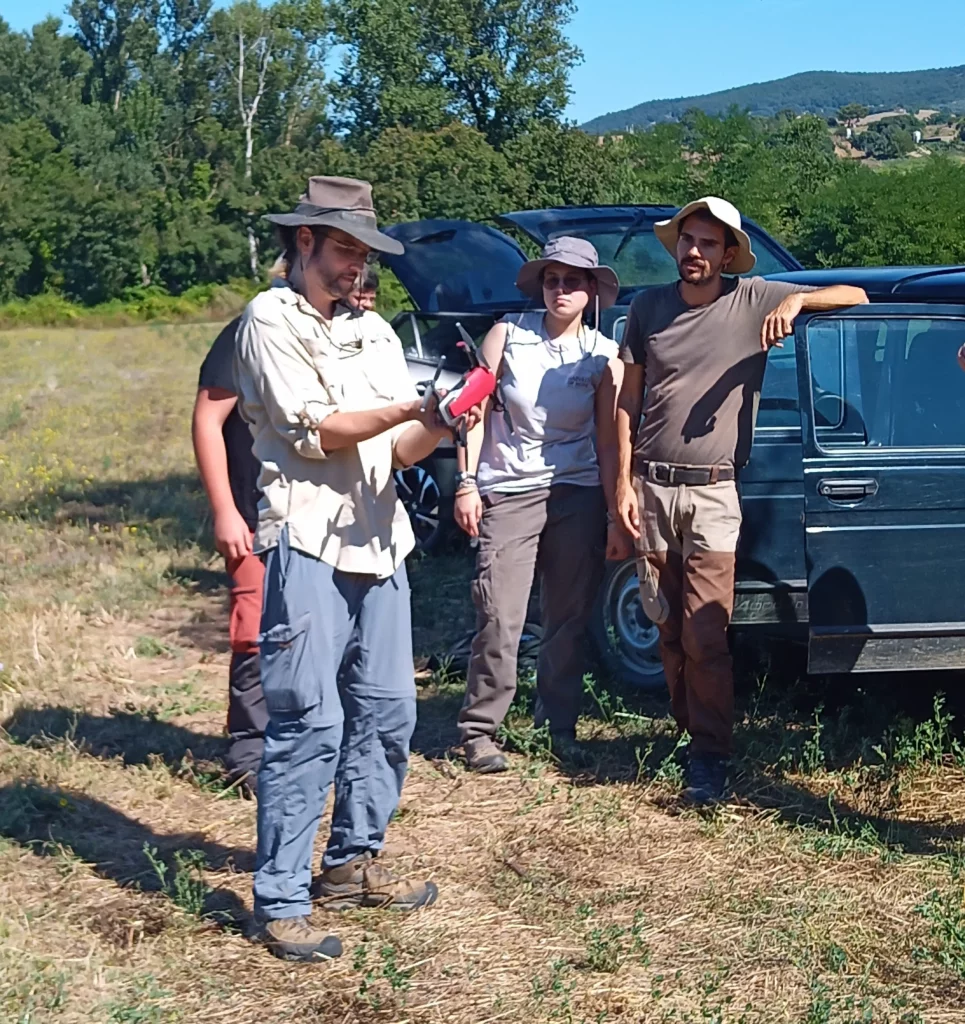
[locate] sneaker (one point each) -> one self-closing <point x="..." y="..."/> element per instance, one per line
<point x="706" y="780"/>
<point x="365" y="882"/>
<point x="296" y="938"/>
<point x="484" y="757"/>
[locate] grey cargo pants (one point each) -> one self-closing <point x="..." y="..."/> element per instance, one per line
<point x="561" y="532"/>
<point x="336" y="665"/>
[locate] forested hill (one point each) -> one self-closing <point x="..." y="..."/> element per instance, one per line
<point x="817" y="92"/>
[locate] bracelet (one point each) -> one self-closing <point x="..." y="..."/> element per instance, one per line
<point x="465" y="480"/>
<point x="611" y="519"/>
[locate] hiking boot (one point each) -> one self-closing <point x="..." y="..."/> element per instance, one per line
<point x="484" y="757"/>
<point x="706" y="780"/>
<point x="296" y="938"/>
<point x="567" y="749"/>
<point x="364" y="882"/>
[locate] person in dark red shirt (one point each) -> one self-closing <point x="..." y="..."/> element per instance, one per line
<point x="229" y="472"/>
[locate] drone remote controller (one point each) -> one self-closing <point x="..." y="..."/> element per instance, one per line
<point x="477" y="384"/>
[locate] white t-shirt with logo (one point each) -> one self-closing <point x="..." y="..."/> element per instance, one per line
<point x="546" y="434"/>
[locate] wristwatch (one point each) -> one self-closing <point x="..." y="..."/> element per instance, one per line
<point x="465" y="480"/>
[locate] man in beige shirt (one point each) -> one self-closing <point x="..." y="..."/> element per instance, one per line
<point x="332" y="412"/>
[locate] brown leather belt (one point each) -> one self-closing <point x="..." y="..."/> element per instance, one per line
<point x="693" y="476"/>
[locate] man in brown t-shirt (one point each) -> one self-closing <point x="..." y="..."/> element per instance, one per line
<point x="699" y="347"/>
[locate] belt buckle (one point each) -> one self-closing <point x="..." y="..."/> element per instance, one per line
<point x="661" y="473"/>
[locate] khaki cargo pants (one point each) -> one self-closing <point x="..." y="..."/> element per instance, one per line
<point x="689" y="535"/>
<point x="559" y="533"/>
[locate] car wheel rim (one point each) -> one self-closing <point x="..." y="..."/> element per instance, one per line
<point x="637" y="639"/>
<point x="420" y="496"/>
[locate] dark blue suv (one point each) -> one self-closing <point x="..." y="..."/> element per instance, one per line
<point x="854" y="493"/>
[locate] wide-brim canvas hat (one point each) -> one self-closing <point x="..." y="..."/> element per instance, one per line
<point x="669" y="230"/>
<point x="571" y="252"/>
<point x="343" y="203"/>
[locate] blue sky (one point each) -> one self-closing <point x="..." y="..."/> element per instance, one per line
<point x="637" y="50"/>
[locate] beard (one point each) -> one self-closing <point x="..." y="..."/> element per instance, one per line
<point x="696" y="273"/>
<point x="338" y="286"/>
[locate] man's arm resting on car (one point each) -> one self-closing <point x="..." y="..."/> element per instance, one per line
<point x="779" y="323"/>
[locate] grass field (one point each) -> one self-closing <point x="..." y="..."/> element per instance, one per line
<point x="829" y="891"/>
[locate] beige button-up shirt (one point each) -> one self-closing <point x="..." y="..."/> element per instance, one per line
<point x="292" y="369"/>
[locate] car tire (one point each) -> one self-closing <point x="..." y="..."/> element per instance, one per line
<point x="626" y="641"/>
<point x="421" y="497"/>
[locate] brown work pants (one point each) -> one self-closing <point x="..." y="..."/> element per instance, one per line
<point x="561" y="533"/>
<point x="689" y="535"/>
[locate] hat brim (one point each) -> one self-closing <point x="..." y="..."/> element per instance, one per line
<point x="371" y="237"/>
<point x="607" y="282"/>
<point x="667" y="231"/>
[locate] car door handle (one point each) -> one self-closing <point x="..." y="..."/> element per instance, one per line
<point x="847" y="490"/>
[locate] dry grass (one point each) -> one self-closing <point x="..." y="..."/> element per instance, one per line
<point x="828" y="892"/>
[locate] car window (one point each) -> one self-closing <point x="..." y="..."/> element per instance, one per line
<point x="779" y="405"/>
<point x="619" y="326"/>
<point x="405" y="329"/>
<point x="899" y="385"/>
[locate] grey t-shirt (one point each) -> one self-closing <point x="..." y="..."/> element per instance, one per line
<point x="547" y="432"/>
<point x="703" y="370"/>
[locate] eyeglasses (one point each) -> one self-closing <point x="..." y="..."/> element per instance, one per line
<point x="356" y="252"/>
<point x="569" y="282"/>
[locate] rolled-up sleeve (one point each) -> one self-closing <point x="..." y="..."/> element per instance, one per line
<point x="275" y="372"/>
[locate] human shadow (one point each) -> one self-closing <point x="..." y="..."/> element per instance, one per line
<point x="172" y="508"/>
<point x="201" y="578"/>
<point x="702" y="417"/>
<point x="46" y="818"/>
<point x="435" y="732"/>
<point x="839" y="820"/>
<point x="133" y="736"/>
<point x="839" y="609"/>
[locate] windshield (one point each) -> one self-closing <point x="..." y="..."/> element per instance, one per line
<point x="644" y="261"/>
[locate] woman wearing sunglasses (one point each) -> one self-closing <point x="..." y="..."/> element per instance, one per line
<point x="530" y="490"/>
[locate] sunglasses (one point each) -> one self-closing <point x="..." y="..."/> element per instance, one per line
<point x="357" y="252"/>
<point x="569" y="282"/>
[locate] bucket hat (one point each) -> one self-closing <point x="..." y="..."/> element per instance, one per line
<point x="668" y="230"/>
<point x="572" y="252"/>
<point x="343" y="203"/>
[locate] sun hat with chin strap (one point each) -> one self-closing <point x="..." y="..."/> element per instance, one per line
<point x="668" y="231"/>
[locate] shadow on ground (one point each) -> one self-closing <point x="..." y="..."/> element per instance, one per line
<point x="134" y="737"/>
<point x="47" y="818"/>
<point x="172" y="507"/>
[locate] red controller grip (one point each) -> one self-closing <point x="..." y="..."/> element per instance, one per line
<point x="478" y="384"/>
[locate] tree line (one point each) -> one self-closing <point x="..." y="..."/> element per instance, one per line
<point x="140" y="146"/>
